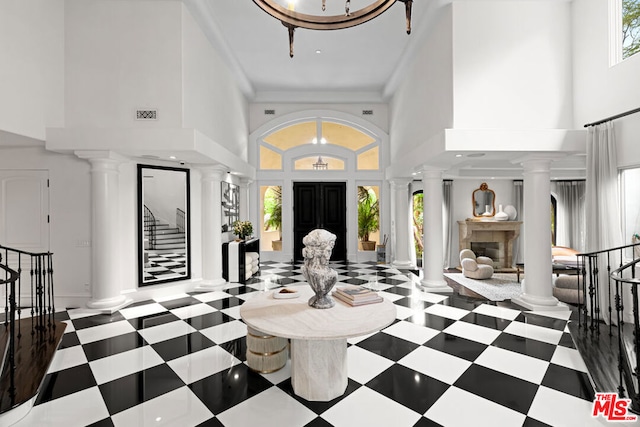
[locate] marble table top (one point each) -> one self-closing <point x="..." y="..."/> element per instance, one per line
<point x="293" y="318"/>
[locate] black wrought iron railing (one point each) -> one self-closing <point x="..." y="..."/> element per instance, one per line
<point x="605" y="278"/>
<point x="150" y="227"/>
<point x="180" y="219"/>
<point x="23" y="272"/>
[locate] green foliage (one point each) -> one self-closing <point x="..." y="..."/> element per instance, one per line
<point x="630" y="27"/>
<point x="273" y="208"/>
<point x="368" y="213"/>
<point x="242" y="229"/>
<point x="418" y="215"/>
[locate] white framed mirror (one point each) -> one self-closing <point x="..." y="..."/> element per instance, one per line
<point x="163" y="224"/>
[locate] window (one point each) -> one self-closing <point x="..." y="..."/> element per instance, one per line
<point x="630" y="28"/>
<point x="323" y="138"/>
<point x="417" y="217"/>
<point x="271" y="196"/>
<point x="630" y="188"/>
<point x="368" y="217"/>
<point x="554" y="219"/>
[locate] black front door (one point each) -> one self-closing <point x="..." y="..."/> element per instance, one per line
<point x="320" y="205"/>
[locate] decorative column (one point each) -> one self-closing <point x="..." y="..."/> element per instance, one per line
<point x="537" y="288"/>
<point x="433" y="239"/>
<point x="106" y="280"/>
<point x="401" y="229"/>
<point x="244" y="200"/>
<point x="212" y="177"/>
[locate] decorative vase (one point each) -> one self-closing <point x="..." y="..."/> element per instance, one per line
<point x="501" y="215"/>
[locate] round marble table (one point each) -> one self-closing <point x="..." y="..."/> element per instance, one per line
<point x="318" y="337"/>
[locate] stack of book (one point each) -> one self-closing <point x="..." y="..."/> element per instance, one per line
<point x="356" y="295"/>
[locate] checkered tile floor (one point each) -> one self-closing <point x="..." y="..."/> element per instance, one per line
<point x="447" y="360"/>
<point x="165" y="266"/>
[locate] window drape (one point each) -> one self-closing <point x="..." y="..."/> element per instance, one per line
<point x="570" y="221"/>
<point x="518" y="200"/>
<point x="602" y="207"/>
<point x="447" y="217"/>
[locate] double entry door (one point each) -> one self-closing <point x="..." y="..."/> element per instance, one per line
<point x="320" y="205"/>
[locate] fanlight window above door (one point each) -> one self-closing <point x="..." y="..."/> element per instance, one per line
<point x="323" y="136"/>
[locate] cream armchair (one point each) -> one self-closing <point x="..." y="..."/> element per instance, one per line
<point x="475" y="267"/>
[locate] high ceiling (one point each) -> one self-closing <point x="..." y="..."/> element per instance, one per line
<point x="361" y="59"/>
<point x="358" y="64"/>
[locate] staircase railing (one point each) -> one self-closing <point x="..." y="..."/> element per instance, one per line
<point x="629" y="356"/>
<point x="41" y="303"/>
<point x="9" y="351"/>
<point x="620" y="284"/>
<point x="180" y="219"/>
<point x="150" y="227"/>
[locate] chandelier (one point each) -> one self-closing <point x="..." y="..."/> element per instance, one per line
<point x="284" y="10"/>
<point x="320" y="164"/>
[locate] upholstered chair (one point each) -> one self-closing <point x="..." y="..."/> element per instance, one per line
<point x="475" y="267"/>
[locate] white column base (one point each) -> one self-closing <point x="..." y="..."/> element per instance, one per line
<point x="402" y="264"/>
<point x="536" y="303"/>
<point x="210" y="285"/>
<point x="110" y="305"/>
<point x="435" y="286"/>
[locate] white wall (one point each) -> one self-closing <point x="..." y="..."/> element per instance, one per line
<point x="213" y="103"/>
<point x="422" y="106"/>
<point x="380" y="116"/>
<point x="70" y="213"/>
<point x="32" y="87"/>
<point x="121" y="56"/>
<point x="602" y="90"/>
<point x="512" y="64"/>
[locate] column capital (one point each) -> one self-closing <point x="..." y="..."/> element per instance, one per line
<point x="400" y="183"/>
<point x="213" y="172"/>
<point x="92" y="155"/>
<point x="245" y="182"/>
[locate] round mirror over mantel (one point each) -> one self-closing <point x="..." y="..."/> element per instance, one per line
<point x="484" y="201"/>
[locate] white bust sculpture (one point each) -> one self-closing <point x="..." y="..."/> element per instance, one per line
<point x="317" y="252"/>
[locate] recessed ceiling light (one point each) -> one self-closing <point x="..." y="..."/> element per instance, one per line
<point x="318" y="51"/>
<point x="172" y="157"/>
<point x="458" y="155"/>
<point x="475" y="155"/>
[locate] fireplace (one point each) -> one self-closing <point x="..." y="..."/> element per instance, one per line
<point x="490" y="238"/>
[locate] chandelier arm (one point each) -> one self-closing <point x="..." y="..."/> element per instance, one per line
<point x="407" y="5"/>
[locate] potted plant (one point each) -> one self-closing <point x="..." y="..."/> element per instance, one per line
<point x="368" y="217"/>
<point x="242" y="229"/>
<point x="273" y="214"/>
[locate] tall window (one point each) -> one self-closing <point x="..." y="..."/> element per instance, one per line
<point x="630" y="188"/>
<point x="630" y="27"/>
<point x="554" y="220"/>
<point x="272" y="215"/>
<point x="417" y="216"/>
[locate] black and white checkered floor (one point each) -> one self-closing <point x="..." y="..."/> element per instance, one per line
<point x="447" y="360"/>
<point x="165" y="266"/>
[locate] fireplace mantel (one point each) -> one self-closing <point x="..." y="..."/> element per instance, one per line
<point x="501" y="233"/>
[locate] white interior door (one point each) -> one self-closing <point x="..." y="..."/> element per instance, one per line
<point x="24" y="214"/>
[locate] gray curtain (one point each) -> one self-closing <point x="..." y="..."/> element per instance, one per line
<point x="447" y="218"/>
<point x="518" y="200"/>
<point x="570" y="219"/>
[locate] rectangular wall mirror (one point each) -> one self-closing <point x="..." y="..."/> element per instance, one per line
<point x="163" y="225"/>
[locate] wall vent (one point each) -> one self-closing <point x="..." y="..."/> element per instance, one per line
<point x="269" y="112"/>
<point x="367" y="112"/>
<point x="147" y="114"/>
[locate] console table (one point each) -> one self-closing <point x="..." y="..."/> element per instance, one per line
<point x="318" y="337"/>
<point x="234" y="267"/>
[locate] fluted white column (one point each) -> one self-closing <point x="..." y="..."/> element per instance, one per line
<point x="106" y="280"/>
<point x="433" y="254"/>
<point x="244" y="201"/>
<point x="212" y="227"/>
<point x="401" y="230"/>
<point x="537" y="288"/>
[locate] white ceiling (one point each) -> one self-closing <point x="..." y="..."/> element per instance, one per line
<point x="361" y="60"/>
<point x="358" y="64"/>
